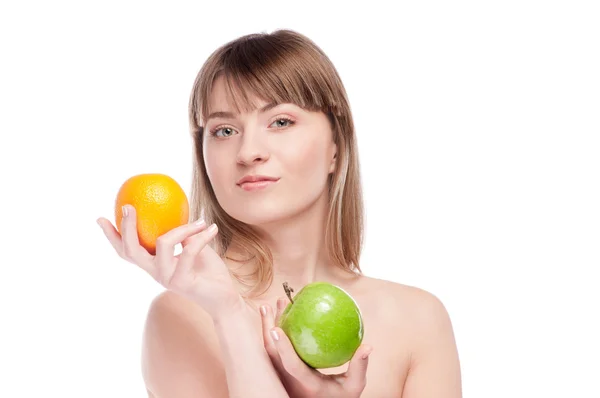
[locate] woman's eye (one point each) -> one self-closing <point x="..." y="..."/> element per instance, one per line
<point x="226" y="132"/>
<point x="282" y="122"/>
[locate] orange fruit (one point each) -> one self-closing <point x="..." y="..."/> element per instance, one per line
<point x="160" y="203"/>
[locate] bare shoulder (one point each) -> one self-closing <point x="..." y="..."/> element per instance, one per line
<point x="423" y="319"/>
<point x="418" y="314"/>
<point x="423" y="306"/>
<point x="180" y="350"/>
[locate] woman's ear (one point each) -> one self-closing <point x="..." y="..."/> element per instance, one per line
<point x="333" y="160"/>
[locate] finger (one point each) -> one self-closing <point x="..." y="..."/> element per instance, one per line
<point x="165" y="247"/>
<point x="132" y="250"/>
<point x="268" y="323"/>
<point x="201" y="223"/>
<point x="281" y="305"/>
<point x="356" y="375"/>
<point x="290" y="360"/>
<point x="185" y="264"/>
<point x="111" y="233"/>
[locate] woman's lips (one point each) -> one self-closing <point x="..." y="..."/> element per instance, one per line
<point x="256" y="185"/>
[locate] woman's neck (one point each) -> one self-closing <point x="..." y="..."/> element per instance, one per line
<point x="299" y="249"/>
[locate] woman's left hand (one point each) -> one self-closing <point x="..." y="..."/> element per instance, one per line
<point x="299" y="379"/>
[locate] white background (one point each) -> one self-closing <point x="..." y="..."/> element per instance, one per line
<point x="478" y="124"/>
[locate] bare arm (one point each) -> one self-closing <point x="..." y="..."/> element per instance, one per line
<point x="184" y="357"/>
<point x="250" y="372"/>
<point x="435" y="369"/>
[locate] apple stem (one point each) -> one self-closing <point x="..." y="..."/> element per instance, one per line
<point x="288" y="291"/>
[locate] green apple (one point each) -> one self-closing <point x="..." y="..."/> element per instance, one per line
<point x="324" y="324"/>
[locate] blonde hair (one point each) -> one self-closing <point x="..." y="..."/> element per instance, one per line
<point x="280" y="67"/>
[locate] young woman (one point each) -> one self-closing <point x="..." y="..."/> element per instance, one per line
<point x="277" y="193"/>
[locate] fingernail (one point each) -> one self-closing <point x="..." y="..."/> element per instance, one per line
<point x="200" y="221"/>
<point x="125" y="211"/>
<point x="263" y="310"/>
<point x="274" y="335"/>
<point x="212" y="228"/>
<point x="366" y="354"/>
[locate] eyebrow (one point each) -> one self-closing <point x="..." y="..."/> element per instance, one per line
<point x="231" y="115"/>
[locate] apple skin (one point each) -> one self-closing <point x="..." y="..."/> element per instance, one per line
<point x="324" y="324"/>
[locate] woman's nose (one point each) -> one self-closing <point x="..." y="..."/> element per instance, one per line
<point x="253" y="149"/>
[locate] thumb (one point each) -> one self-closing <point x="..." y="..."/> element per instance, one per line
<point x="356" y="376"/>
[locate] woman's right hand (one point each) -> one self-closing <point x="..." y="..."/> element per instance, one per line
<point x="299" y="379"/>
<point x="197" y="273"/>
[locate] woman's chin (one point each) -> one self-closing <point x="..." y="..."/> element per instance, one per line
<point x="258" y="217"/>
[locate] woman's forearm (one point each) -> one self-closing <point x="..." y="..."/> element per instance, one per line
<point x="249" y="371"/>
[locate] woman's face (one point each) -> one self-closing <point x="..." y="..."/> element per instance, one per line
<point x="290" y="146"/>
